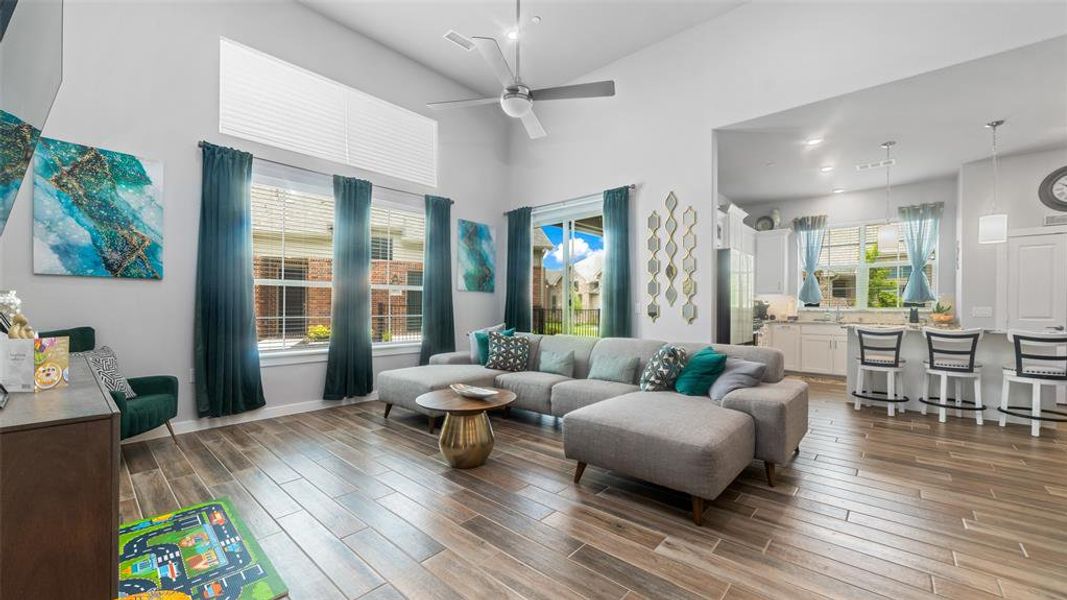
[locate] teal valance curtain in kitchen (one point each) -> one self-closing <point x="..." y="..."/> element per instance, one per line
<point x="225" y="355"/>
<point x="349" y="365"/>
<point x="811" y="232"/>
<point x="438" y="328"/>
<point x="615" y="304"/>
<point x="517" y="301"/>
<point x="922" y="225"/>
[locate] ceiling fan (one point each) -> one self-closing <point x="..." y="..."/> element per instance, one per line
<point x="517" y="99"/>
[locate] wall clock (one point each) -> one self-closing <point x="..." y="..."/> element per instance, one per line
<point x="1053" y="190"/>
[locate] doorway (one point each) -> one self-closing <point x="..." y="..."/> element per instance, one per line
<point x="568" y="268"/>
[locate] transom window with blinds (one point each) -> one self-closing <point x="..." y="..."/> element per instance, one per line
<point x="292" y="253"/>
<point x="854" y="273"/>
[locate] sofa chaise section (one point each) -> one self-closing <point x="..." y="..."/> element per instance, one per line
<point x="403" y="386"/>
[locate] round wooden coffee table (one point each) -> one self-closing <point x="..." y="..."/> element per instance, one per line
<point x="466" y="436"/>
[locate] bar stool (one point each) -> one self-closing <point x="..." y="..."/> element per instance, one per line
<point x="1040" y="360"/>
<point x="880" y="353"/>
<point x="951" y="354"/>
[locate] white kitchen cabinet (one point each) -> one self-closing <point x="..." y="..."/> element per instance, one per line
<point x="772" y="261"/>
<point x="840" y="354"/>
<point x="816" y="353"/>
<point x="786" y="337"/>
<point x="815" y="348"/>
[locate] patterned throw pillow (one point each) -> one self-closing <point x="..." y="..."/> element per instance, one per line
<point x="507" y="353"/>
<point x="105" y="366"/>
<point x="663" y="369"/>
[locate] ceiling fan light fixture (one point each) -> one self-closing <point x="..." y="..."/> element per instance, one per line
<point x="512" y="34"/>
<point x="516" y="102"/>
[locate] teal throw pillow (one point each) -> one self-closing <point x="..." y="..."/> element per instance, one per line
<point x="621" y="369"/>
<point x="560" y="363"/>
<point x="483" y="343"/>
<point x="700" y="372"/>
<point x="663" y="369"/>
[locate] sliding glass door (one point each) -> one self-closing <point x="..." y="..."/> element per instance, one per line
<point x="568" y="265"/>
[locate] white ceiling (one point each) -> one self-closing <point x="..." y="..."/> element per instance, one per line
<point x="573" y="38"/>
<point x="936" y="119"/>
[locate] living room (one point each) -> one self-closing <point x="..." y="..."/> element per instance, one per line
<point x="321" y="420"/>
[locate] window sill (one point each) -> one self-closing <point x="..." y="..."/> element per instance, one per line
<point x="281" y="358"/>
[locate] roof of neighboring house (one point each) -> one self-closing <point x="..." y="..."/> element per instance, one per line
<point x="553" y="277"/>
<point x="589" y="269"/>
<point x="540" y="240"/>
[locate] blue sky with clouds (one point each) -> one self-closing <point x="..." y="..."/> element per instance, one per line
<point x="582" y="245"/>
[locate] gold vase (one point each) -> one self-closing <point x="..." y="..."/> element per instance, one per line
<point x="466" y="440"/>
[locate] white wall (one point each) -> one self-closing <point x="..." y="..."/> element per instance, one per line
<point x="761" y="58"/>
<point x="981" y="278"/>
<point x="142" y="78"/>
<point x="864" y="206"/>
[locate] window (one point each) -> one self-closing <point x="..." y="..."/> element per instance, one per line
<point x="396" y="274"/>
<point x="853" y="273"/>
<point x="267" y="100"/>
<point x="292" y="254"/>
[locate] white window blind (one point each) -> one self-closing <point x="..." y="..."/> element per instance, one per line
<point x="267" y="100"/>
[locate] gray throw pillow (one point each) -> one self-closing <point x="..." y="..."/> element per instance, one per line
<point x="105" y="365"/>
<point x="738" y="374"/>
<point x="508" y="353"/>
<point x="621" y="369"/>
<point x="560" y="363"/>
<point x="474" y="342"/>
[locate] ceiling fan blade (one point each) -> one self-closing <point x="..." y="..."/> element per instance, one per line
<point x="599" y="89"/>
<point x="462" y="103"/>
<point x="533" y="126"/>
<point x="490" y="51"/>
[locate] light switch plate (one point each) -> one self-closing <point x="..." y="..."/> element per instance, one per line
<point x="982" y="311"/>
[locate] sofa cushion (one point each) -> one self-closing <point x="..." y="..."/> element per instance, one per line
<point x="475" y="347"/>
<point x="700" y="372"/>
<point x="403" y="386"/>
<point x="663" y="369"/>
<point x="582" y="347"/>
<point x="483" y="337"/>
<point x="560" y="363"/>
<point x="686" y="443"/>
<point x="772" y="357"/>
<point x="533" y="389"/>
<point x="642" y="350"/>
<point x="105" y="366"/>
<point x="620" y="369"/>
<point x="738" y="374"/>
<point x="780" y="412"/>
<point x="508" y="353"/>
<point x="577" y="393"/>
<point x="535" y="349"/>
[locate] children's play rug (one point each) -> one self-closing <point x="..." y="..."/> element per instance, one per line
<point x="200" y="552"/>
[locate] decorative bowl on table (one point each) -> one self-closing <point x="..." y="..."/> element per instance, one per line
<point x="470" y="391"/>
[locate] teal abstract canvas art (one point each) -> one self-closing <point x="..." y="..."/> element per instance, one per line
<point x="17" y="140"/>
<point x="477" y="257"/>
<point x="96" y="212"/>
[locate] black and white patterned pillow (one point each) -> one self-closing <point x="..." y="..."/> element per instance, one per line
<point x="508" y="353"/>
<point x="105" y="366"/>
<point x="663" y="369"/>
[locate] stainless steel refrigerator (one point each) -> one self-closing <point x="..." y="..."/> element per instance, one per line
<point x="735" y="296"/>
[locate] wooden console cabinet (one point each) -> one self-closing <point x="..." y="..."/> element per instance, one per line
<point x="59" y="492"/>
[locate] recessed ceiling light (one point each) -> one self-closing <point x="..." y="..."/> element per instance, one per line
<point x="826" y="168"/>
<point x="513" y="34"/>
<point x="536" y="20"/>
<point x="838" y="190"/>
<point x="812" y="141"/>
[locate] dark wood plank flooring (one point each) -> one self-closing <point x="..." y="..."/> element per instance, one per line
<point x="351" y="505"/>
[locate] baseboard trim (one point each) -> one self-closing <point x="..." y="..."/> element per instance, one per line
<point x="267" y="412"/>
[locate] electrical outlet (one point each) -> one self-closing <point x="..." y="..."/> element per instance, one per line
<point x="192" y="375"/>
<point x="982" y="311"/>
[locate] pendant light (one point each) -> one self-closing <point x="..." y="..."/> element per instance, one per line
<point x="889" y="233"/>
<point x="993" y="227"/>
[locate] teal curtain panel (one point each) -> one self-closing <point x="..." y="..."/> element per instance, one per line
<point x="349" y="365"/>
<point x="615" y="304"/>
<point x="518" y="301"/>
<point x="438" y="328"/>
<point x="226" y="359"/>
<point x="811" y="232"/>
<point x="922" y="225"/>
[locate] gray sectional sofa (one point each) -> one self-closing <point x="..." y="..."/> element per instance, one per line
<point x="688" y="443"/>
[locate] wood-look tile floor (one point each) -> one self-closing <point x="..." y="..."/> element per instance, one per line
<point x="351" y="505"/>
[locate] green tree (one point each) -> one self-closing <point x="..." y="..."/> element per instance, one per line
<point x="881" y="285"/>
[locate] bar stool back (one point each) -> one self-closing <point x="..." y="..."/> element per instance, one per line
<point x="951" y="355"/>
<point x="880" y="353"/>
<point x="1040" y="360"/>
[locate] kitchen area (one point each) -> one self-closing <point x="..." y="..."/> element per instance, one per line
<point x="935" y="201"/>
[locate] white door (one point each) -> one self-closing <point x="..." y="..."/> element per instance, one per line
<point x="816" y="354"/>
<point x="1037" y="282"/>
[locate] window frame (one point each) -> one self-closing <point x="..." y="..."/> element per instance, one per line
<point x="862" y="270"/>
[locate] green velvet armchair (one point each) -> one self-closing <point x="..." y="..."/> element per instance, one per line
<point x="156" y="402"/>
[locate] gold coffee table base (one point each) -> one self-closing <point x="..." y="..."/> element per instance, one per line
<point x="466" y="440"/>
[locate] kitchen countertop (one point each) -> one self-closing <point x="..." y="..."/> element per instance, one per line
<point x="909" y="326"/>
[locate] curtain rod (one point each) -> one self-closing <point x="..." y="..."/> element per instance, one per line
<point x="306" y="170"/>
<point x="632" y="186"/>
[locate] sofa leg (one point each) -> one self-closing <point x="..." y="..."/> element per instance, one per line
<point x="797" y="451"/>
<point x="578" y="471"/>
<point x="171" y="430"/>
<point x="698" y="511"/>
<point x="769" y="466"/>
<point x="388" y="407"/>
<point x="433" y="423"/>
